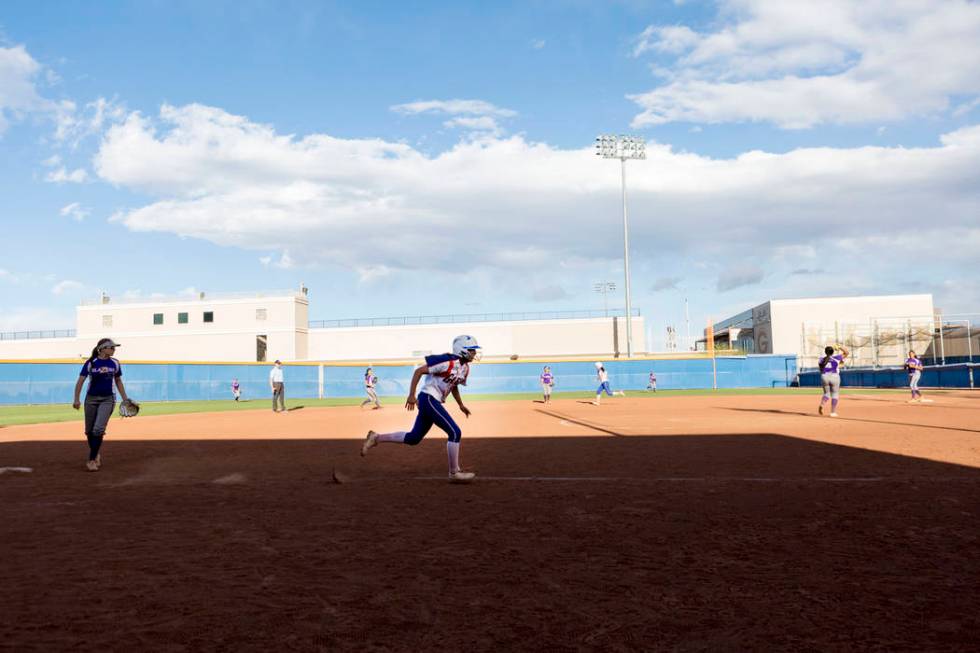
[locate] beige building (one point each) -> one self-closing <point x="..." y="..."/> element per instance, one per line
<point x="275" y="325"/>
<point x="878" y="330"/>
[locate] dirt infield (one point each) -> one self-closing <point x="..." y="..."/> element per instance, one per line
<point x="682" y="523"/>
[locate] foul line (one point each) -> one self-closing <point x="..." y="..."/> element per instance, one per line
<point x="671" y="479"/>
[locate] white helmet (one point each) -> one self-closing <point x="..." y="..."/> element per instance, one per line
<point x="465" y="347"/>
<point x="598" y="366"/>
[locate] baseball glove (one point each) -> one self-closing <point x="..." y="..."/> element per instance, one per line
<point x="129" y="408"/>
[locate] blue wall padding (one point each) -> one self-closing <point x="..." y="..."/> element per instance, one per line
<point x="938" y="376"/>
<point x="52" y="383"/>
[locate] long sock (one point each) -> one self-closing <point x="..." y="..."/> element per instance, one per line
<point x="452" y="448"/>
<point x="397" y="436"/>
<point x="94" y="444"/>
<point x="824" y="399"/>
<point x="833" y="405"/>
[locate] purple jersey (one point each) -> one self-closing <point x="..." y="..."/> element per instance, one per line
<point x="653" y="377"/>
<point x="913" y="364"/>
<point x="234" y="385"/>
<point x="547" y="378"/>
<point x="832" y="364"/>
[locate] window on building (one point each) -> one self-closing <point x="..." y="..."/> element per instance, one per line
<point x="260" y="314"/>
<point x="261" y="343"/>
<point x="106" y="320"/>
<point x="209" y="316"/>
<point x="158" y="318"/>
<point x="181" y="318"/>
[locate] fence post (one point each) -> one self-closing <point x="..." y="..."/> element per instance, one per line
<point x="969" y="345"/>
<point x="942" y="345"/>
<point x="319" y="382"/>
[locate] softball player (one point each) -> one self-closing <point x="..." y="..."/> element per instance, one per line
<point x="102" y="370"/>
<point x="652" y="382"/>
<point x="236" y="389"/>
<point x="370" y="381"/>
<point x="603" y="378"/>
<point x="444" y="373"/>
<point x="547" y="383"/>
<point x="914" y="367"/>
<point x="830" y="365"/>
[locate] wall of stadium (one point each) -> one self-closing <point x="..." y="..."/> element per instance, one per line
<point x="52" y="383"/>
<point x="604" y="337"/>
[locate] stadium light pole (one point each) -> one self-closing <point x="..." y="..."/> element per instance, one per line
<point x="605" y="287"/>
<point x="613" y="146"/>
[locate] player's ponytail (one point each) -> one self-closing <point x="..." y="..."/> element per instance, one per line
<point x="98" y="346"/>
<point x="828" y="351"/>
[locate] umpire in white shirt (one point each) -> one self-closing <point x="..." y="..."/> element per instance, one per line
<point x="278" y="388"/>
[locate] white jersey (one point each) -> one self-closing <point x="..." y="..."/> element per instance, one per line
<point x="445" y="373"/>
<point x="603" y="376"/>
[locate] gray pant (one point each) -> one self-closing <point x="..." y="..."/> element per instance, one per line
<point x="372" y="397"/>
<point x="914" y="380"/>
<point x="831" y="385"/>
<point x="279" y="393"/>
<point x="98" y="410"/>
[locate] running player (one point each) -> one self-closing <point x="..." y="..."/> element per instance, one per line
<point x="914" y="367"/>
<point x="102" y="370"/>
<point x="236" y="389"/>
<point x="603" y="378"/>
<point x="370" y="381"/>
<point x="652" y="382"/>
<point x="830" y="365"/>
<point x="444" y="373"/>
<point x="547" y="383"/>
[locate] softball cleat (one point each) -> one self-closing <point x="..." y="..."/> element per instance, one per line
<point x="461" y="477"/>
<point x="370" y="441"/>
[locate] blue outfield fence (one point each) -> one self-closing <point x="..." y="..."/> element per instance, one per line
<point x="52" y="383"/>
<point x="959" y="375"/>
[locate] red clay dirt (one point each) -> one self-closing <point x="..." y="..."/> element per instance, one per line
<point x="683" y="523"/>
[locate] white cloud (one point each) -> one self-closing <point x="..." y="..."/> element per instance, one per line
<point x="509" y="204"/>
<point x="7" y="276"/>
<point x="453" y="107"/>
<point x="478" y="123"/>
<point x="62" y="175"/>
<point x="549" y="293"/>
<point x="75" y="211"/>
<point x="538" y="44"/>
<point x="66" y="286"/>
<point x="18" y="93"/>
<point x="738" y="275"/>
<point x="23" y="318"/>
<point x="665" y="283"/>
<point x="795" y="66"/>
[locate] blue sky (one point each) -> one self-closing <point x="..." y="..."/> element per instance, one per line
<point x="437" y="157"/>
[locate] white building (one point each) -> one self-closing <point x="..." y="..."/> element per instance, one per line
<point x="876" y="329"/>
<point x="275" y="325"/>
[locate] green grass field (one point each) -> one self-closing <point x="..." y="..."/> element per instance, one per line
<point x="39" y="414"/>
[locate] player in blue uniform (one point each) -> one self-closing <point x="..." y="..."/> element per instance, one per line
<point x="443" y="373"/>
<point x="101" y="370"/>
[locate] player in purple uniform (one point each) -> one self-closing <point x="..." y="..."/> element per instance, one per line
<point x="547" y="383"/>
<point x="444" y="373"/>
<point x="370" y="381"/>
<point x="236" y="389"/>
<point x="830" y="365"/>
<point x="914" y="367"/>
<point x="652" y="382"/>
<point x="102" y="371"/>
